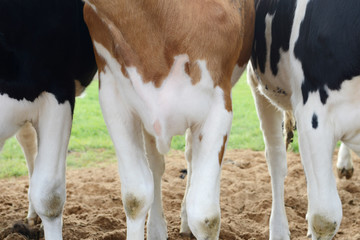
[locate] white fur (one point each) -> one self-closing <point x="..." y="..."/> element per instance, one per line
<point x="27" y="138"/>
<point x="129" y="103"/>
<point x="184" y="227"/>
<point x="156" y="223"/>
<point x="52" y="122"/>
<point x="270" y="123"/>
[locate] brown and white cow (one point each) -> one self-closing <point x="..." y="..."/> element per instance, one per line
<point x="166" y="66"/>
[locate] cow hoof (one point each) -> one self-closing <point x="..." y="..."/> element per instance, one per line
<point x="32" y="221"/>
<point x="187" y="235"/>
<point x="30" y="233"/>
<point x="342" y="172"/>
<point x="322" y="228"/>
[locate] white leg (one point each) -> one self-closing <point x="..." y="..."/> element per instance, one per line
<point x="137" y="184"/>
<point x="344" y="165"/>
<point x="47" y="184"/>
<point x="27" y="138"/>
<point x="316" y="149"/>
<point x="203" y="197"/>
<point x="275" y="150"/>
<point x="156" y="223"/>
<point x="184" y="227"/>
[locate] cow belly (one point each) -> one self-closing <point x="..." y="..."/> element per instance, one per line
<point x="274" y="88"/>
<point x="277" y="96"/>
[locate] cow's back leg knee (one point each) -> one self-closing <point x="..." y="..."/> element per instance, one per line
<point x="137" y="200"/>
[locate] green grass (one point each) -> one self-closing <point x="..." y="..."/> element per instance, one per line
<point x="245" y="131"/>
<point x="90" y="142"/>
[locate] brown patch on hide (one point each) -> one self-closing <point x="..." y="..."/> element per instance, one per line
<point x="149" y="34"/>
<point x="222" y="151"/>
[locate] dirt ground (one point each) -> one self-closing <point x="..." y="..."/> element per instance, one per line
<point x="94" y="210"/>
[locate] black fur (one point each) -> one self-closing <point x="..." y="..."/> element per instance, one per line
<point x="328" y="45"/>
<point x="314" y="121"/>
<point x="283" y="15"/>
<point x="44" y="47"/>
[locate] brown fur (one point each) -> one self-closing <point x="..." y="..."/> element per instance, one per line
<point x="222" y="151"/>
<point x="248" y="11"/>
<point x="148" y="34"/>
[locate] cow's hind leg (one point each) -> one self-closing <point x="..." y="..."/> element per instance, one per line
<point x="344" y="165"/>
<point x="12" y="121"/>
<point x="184" y="227"/>
<point x="208" y="146"/>
<point x="27" y="138"/>
<point x="47" y="183"/>
<point x="156" y="223"/>
<point x="317" y="142"/>
<point x="275" y="150"/>
<point x="125" y="128"/>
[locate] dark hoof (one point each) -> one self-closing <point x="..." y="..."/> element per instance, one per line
<point x="345" y="173"/>
<point x="30" y="233"/>
<point x="32" y="221"/>
<point x="187" y="235"/>
<point x="183" y="173"/>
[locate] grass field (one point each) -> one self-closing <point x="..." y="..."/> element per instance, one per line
<point x="90" y="142"/>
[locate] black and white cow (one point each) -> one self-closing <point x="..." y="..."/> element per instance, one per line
<point x="306" y="60"/>
<point x="45" y="48"/>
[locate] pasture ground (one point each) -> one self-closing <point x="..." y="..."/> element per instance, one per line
<point x="94" y="210"/>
